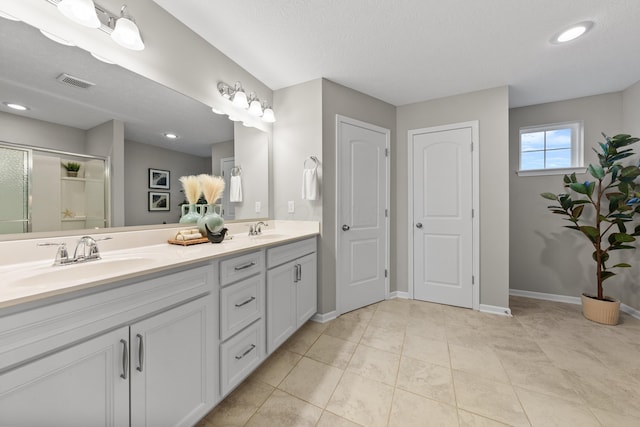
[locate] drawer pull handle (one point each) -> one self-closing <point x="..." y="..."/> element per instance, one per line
<point x="247" y="351"/>
<point x="245" y="266"/>
<point x="245" y="302"/>
<point x="125" y="359"/>
<point x="140" y="352"/>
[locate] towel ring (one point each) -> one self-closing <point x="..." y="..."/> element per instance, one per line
<point x="312" y="158"/>
<point x="236" y="171"/>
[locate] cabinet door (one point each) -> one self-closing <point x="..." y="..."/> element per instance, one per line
<point x="82" y="385"/>
<point x="281" y="305"/>
<point x="306" y="288"/>
<point x="172" y="365"/>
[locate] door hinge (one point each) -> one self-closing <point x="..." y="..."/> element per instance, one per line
<point x="473" y="213"/>
<point x="386" y="273"/>
<point x="386" y="152"/>
<point x="473" y="280"/>
<point x="222" y="173"/>
<point x="386" y="213"/>
<point x="472" y="146"/>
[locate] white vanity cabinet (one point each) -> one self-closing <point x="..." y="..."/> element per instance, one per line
<point x="291" y="289"/>
<point x="156" y="365"/>
<point x="242" y="327"/>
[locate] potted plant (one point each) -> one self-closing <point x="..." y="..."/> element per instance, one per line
<point x="614" y="201"/>
<point x="72" y="168"/>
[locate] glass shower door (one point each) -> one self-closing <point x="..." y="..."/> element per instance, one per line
<point x="15" y="189"/>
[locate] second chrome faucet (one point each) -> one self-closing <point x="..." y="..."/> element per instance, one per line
<point x="86" y="250"/>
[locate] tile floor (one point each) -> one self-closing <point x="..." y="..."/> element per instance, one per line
<point x="409" y="363"/>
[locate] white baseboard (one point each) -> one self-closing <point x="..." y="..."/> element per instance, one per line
<point x="399" y="294"/>
<point x="324" y="318"/>
<point x="493" y="309"/>
<point x="567" y="299"/>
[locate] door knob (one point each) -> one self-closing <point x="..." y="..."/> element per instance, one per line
<point x="419" y="225"/>
<point x="345" y="227"/>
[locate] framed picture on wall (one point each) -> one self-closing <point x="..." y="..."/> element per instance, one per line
<point x="158" y="179"/>
<point x="159" y="201"/>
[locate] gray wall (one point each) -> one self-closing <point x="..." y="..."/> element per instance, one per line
<point x="544" y="256"/>
<point x="37" y="133"/>
<point x="138" y="159"/>
<point x="491" y="108"/>
<point x="219" y="151"/>
<point x="251" y="153"/>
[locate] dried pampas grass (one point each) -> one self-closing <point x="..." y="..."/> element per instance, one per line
<point x="212" y="187"/>
<point x="191" y="187"/>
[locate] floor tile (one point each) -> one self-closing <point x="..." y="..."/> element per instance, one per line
<point x="390" y="340"/>
<point x="613" y="419"/>
<point x="346" y="328"/>
<point x="375" y="364"/>
<point x="362" y="400"/>
<point x="276" y="367"/>
<point x="312" y="381"/>
<point x="303" y="339"/>
<point x="484" y="363"/>
<point x="489" y="398"/>
<point x="426" y="379"/>
<point x="329" y="419"/>
<point x="240" y="405"/>
<point x="468" y="419"/>
<point x="281" y="409"/>
<point x="543" y="410"/>
<point x="332" y="351"/>
<point x="385" y="319"/>
<point x="426" y="328"/>
<point x="429" y="350"/>
<point x="409" y="410"/>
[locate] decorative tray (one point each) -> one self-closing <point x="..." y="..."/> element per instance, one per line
<point x="189" y="242"/>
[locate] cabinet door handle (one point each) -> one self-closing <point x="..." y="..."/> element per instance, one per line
<point x="247" y="301"/>
<point x="125" y="359"/>
<point x="295" y="273"/>
<point x="140" y="352"/>
<point x="299" y="272"/>
<point x="245" y="266"/>
<point x="247" y="351"/>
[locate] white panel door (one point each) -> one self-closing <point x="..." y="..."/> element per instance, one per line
<point x="228" y="208"/>
<point x="362" y="200"/>
<point x="442" y="216"/>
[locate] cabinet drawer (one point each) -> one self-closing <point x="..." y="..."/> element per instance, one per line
<point x="241" y="304"/>
<point x="285" y="253"/>
<point x="240" y="267"/>
<point x="240" y="356"/>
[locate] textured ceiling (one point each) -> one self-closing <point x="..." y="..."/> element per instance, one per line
<point x="406" y="51"/>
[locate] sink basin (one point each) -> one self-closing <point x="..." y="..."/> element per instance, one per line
<point x="44" y="276"/>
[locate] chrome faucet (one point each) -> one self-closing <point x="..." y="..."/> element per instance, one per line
<point x="256" y="229"/>
<point x="86" y="250"/>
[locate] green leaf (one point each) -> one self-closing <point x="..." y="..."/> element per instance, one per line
<point x="578" y="187"/>
<point x="590" y="232"/>
<point x="549" y="196"/>
<point x="622" y="265"/>
<point x="573" y="177"/>
<point x="566" y="179"/>
<point x="596" y="171"/>
<point x="630" y="172"/>
<point x="577" y="211"/>
<point x="606" y="274"/>
<point x="621" y="247"/>
<point x="590" y="187"/>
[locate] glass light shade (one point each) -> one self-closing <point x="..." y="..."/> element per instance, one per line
<point x="7" y="16"/>
<point x="56" y="38"/>
<point x="240" y="99"/>
<point x="102" y="58"/>
<point x="268" y="115"/>
<point x="215" y="110"/>
<point x="82" y="12"/>
<point x="255" y="108"/>
<point x="127" y="35"/>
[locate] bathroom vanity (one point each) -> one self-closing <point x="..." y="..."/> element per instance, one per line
<point x="152" y="335"/>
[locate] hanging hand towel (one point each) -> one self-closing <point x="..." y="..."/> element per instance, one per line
<point x="235" y="189"/>
<point x="310" y="184"/>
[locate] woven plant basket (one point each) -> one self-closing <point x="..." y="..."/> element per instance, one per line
<point x="606" y="311"/>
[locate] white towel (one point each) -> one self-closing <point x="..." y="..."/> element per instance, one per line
<point x="235" y="189"/>
<point x="310" y="184"/>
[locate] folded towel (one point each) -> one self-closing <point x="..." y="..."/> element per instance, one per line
<point x="310" y="184"/>
<point x="235" y="189"/>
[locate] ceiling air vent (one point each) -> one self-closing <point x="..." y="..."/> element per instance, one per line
<point x="74" y="81"/>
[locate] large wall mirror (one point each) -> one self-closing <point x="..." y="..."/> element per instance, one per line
<point x="80" y="105"/>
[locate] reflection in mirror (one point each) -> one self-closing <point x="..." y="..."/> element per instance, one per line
<point x="78" y="104"/>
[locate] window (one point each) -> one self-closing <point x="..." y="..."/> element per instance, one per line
<point x="551" y="149"/>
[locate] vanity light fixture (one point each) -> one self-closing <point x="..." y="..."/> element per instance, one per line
<point x="7" y="16"/>
<point x="56" y="39"/>
<point x="572" y="33"/>
<point x="102" y="58"/>
<point x="15" y="106"/>
<point x="215" y="110"/>
<point x="126" y="32"/>
<point x="239" y="99"/>
<point x="81" y="12"/>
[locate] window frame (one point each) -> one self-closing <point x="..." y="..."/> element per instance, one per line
<point x="577" y="148"/>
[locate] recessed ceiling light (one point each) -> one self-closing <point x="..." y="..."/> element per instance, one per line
<point x="572" y="33"/>
<point x="16" y="106"/>
<point x="170" y="135"/>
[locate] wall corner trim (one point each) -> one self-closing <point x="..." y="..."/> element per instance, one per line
<point x="324" y="318"/>
<point x="568" y="300"/>
<point x="494" y="309"/>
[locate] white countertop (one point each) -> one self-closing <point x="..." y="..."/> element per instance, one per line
<point x="121" y="260"/>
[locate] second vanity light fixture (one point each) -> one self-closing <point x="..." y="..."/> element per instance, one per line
<point x="239" y="98"/>
<point x="122" y="28"/>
